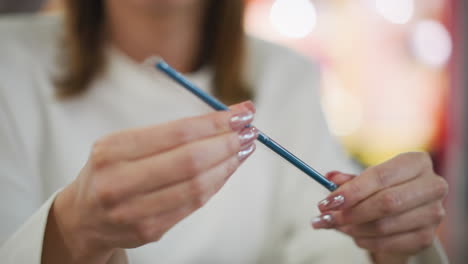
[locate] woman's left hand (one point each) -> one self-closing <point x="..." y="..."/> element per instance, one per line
<point x="392" y="209"/>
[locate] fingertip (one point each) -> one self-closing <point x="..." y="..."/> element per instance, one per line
<point x="333" y="202"/>
<point x="244" y="106"/>
<point x="246" y="152"/>
<point x="326" y="220"/>
<point x="249" y="105"/>
<point x="339" y="178"/>
<point x="330" y="175"/>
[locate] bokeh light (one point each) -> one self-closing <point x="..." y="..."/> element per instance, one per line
<point x="431" y="43"/>
<point x="293" y="18"/>
<point x="343" y="110"/>
<point x="376" y="99"/>
<point x="396" y="11"/>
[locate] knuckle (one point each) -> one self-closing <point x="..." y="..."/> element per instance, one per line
<point x="154" y="236"/>
<point x="366" y="244"/>
<point x="383" y="175"/>
<point x="438" y="213"/>
<point x="390" y="203"/>
<point x="426" y="238"/>
<point x="183" y="134"/>
<point x="440" y="186"/>
<point x="197" y="186"/>
<point x="119" y="218"/>
<point x="197" y="202"/>
<point x="157" y="235"/>
<point x="231" y="167"/>
<point x="425" y="159"/>
<point x="349" y="230"/>
<point x="197" y="189"/>
<point x="106" y="194"/>
<point x="219" y="123"/>
<point x="353" y="190"/>
<point x="422" y="159"/>
<point x="192" y="162"/>
<point x="144" y="233"/>
<point x="232" y="144"/>
<point x="360" y="243"/>
<point x="379" y="245"/>
<point x="382" y="227"/>
<point x="99" y="155"/>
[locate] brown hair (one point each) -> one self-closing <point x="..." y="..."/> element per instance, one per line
<point x="223" y="47"/>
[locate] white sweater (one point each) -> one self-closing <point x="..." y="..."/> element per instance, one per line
<point x="261" y="215"/>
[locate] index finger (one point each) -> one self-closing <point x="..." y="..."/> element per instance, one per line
<point x="393" y="172"/>
<point x="139" y="143"/>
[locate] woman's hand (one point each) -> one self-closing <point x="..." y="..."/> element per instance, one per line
<point x="139" y="183"/>
<point x="392" y="209"/>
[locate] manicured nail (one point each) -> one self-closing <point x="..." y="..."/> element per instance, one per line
<point x="245" y="153"/>
<point x="247" y="136"/>
<point x="323" y="221"/>
<point x="332" y="203"/>
<point x="249" y="105"/>
<point x="331" y="174"/>
<point x="241" y="120"/>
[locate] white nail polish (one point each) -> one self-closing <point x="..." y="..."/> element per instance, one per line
<point x="316" y="220"/>
<point x="332" y="203"/>
<point x="247" y="136"/>
<point x="243" y="154"/>
<point x="338" y="200"/>
<point x="323" y="221"/>
<point x="328" y="218"/>
<point x="239" y="121"/>
<point x="324" y="202"/>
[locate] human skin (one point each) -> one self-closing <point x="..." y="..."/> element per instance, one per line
<point x="89" y="220"/>
<point x="139" y="183"/>
<point x="392" y="209"/>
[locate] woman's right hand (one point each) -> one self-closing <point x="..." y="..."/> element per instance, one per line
<point x="139" y="183"/>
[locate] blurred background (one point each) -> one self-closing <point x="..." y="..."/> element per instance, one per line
<point x="393" y="79"/>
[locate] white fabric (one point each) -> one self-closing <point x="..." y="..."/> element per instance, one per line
<point x="262" y="214"/>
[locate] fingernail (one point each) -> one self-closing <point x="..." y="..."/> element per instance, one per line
<point x="245" y="153"/>
<point x="331" y="174"/>
<point x="247" y="136"/>
<point x="323" y="221"/>
<point x="332" y="203"/>
<point x="249" y="105"/>
<point x="241" y="120"/>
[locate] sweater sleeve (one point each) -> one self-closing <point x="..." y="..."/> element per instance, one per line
<point x="25" y="245"/>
